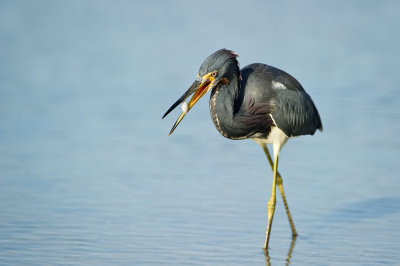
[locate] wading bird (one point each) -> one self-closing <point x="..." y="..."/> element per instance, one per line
<point x="258" y="102"/>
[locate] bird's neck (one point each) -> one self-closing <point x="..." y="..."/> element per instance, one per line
<point x="224" y="103"/>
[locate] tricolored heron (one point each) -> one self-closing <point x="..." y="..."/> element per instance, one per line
<point x="258" y="102"/>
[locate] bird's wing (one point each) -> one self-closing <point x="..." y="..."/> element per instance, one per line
<point x="278" y="94"/>
<point x="295" y="113"/>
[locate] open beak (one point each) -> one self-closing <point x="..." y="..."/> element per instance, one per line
<point x="199" y="88"/>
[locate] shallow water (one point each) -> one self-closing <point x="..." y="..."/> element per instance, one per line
<point x="88" y="174"/>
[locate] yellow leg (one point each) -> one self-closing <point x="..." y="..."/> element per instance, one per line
<point x="271" y="204"/>
<point x="280" y="186"/>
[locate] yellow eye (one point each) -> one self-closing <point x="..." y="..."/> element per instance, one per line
<point x="214" y="73"/>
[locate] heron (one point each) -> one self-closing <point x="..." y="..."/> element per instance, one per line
<point x="258" y="102"/>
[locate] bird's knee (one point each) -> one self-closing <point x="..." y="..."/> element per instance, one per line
<point x="271" y="203"/>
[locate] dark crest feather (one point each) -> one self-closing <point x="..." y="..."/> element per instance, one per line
<point x="218" y="59"/>
<point x="230" y="53"/>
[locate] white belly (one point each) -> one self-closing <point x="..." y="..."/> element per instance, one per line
<point x="276" y="137"/>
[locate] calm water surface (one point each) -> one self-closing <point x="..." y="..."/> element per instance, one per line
<point x="88" y="175"/>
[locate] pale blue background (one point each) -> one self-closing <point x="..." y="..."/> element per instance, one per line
<point x="88" y="175"/>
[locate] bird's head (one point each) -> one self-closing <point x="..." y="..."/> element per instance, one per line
<point x="218" y="68"/>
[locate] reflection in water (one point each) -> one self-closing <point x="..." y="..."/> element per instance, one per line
<point x="289" y="254"/>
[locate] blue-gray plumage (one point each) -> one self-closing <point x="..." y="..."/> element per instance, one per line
<point x="259" y="102"/>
